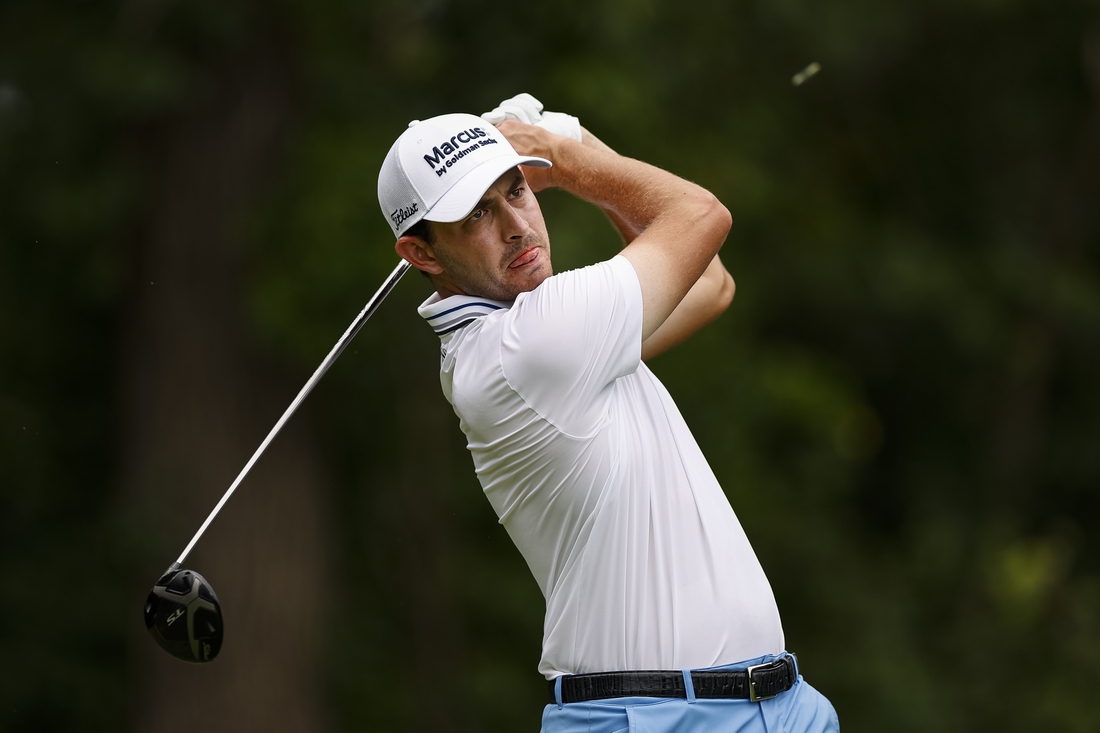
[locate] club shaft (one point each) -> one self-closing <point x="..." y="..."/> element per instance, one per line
<point x="368" y="310"/>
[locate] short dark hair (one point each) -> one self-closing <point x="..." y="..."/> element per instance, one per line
<point x="422" y="230"/>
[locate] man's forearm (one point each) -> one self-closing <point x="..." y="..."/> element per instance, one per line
<point x="634" y="193"/>
<point x="708" y="298"/>
<point x="624" y="228"/>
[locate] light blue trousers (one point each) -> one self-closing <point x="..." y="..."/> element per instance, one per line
<point x="801" y="709"/>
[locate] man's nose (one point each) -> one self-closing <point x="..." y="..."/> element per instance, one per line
<point x="515" y="225"/>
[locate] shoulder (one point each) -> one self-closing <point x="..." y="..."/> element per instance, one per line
<point x="581" y="327"/>
<point x="575" y="296"/>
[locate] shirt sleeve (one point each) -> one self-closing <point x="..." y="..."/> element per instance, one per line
<point x="566" y="342"/>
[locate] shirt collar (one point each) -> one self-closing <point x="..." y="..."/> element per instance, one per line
<point x="449" y="314"/>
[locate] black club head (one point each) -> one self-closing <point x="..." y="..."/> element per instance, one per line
<point x="183" y="616"/>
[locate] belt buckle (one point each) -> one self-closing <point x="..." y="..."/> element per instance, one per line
<point x="752" y="684"/>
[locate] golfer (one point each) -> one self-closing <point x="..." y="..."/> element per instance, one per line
<point x="658" y="614"/>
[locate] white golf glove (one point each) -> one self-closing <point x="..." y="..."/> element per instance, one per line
<point x="525" y="108"/>
<point x="522" y="107"/>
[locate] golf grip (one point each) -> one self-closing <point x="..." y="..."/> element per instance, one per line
<point x="371" y="306"/>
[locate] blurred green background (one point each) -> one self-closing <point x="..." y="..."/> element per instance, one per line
<point x="902" y="403"/>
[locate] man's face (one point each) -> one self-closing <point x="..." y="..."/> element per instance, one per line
<point x="501" y="248"/>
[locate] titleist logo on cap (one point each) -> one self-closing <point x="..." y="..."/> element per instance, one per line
<point x="400" y="215"/>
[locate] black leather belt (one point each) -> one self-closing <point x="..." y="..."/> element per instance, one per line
<point x="759" y="682"/>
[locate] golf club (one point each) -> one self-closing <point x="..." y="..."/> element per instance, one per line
<point x="182" y="612"/>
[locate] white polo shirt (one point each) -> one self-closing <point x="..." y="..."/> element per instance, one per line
<point x="600" y="484"/>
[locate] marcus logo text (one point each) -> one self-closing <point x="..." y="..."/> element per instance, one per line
<point x="448" y="152"/>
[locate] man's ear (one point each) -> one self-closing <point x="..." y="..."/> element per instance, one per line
<point x="419" y="254"/>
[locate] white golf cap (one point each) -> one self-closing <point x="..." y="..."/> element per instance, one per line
<point x="440" y="168"/>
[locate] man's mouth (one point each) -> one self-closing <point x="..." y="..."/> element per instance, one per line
<point x="525" y="257"/>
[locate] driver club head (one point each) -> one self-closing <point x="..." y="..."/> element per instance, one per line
<point x="184" y="617"/>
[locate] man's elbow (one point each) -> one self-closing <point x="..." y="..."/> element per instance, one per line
<point x="727" y="288"/>
<point x="725" y="221"/>
<point x="718" y="220"/>
<point x="720" y="289"/>
<point x="726" y="291"/>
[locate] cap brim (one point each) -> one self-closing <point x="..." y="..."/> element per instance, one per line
<point x="463" y="196"/>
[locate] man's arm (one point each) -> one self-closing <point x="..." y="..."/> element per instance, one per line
<point x="708" y="298"/>
<point x="673" y="228"/>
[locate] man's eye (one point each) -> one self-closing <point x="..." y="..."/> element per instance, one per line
<point x="477" y="214"/>
<point x="517" y="193"/>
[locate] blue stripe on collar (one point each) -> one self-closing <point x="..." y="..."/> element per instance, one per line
<point x="476" y="304"/>
<point x="457" y="311"/>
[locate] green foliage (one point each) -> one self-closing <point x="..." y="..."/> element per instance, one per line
<point x="901" y="403"/>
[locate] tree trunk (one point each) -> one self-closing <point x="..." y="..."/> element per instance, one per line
<point x="198" y="405"/>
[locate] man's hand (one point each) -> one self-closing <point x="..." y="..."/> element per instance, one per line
<point x="534" y="141"/>
<point x="521" y="118"/>
<point x="529" y="139"/>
